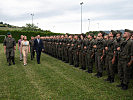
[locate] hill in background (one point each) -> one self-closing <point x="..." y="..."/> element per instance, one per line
<point x="5" y="26"/>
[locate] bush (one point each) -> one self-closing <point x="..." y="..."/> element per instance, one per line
<point x="16" y="34"/>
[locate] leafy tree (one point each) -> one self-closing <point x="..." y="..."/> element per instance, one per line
<point x="30" y="27"/>
<point x="1" y="22"/>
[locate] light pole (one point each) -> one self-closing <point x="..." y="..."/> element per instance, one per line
<point x="89" y="25"/>
<point x="81" y="16"/>
<point x="32" y="18"/>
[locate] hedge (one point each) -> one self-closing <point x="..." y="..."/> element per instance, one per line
<point x="17" y="34"/>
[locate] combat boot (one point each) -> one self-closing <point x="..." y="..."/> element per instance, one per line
<point x="13" y="61"/>
<point x="108" y="79"/>
<point x="89" y="71"/>
<point x="9" y="64"/>
<point x="124" y="87"/>
<point x="99" y="75"/>
<point x="112" y="80"/>
<point x="120" y="85"/>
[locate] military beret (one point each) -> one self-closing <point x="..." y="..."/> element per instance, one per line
<point x="8" y="33"/>
<point x="119" y="32"/>
<point x="91" y="34"/>
<point x="106" y="34"/>
<point x="102" y="32"/>
<point x="131" y="32"/>
<point x="84" y="35"/>
<point x="127" y="30"/>
<point x="113" y="32"/>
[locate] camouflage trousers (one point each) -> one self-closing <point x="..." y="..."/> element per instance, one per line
<point x="123" y="71"/>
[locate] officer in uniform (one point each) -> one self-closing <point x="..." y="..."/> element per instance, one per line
<point x="66" y="48"/>
<point x="111" y="48"/>
<point x="90" y="53"/>
<point x="76" y="51"/>
<point x="105" y="58"/>
<point x="32" y="52"/>
<point x="132" y="51"/>
<point x="9" y="48"/>
<point x="70" y="50"/>
<point x="99" y="53"/>
<point x="84" y="53"/>
<point x="80" y="48"/>
<point x="125" y="60"/>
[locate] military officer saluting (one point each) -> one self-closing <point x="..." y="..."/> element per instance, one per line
<point x="9" y="48"/>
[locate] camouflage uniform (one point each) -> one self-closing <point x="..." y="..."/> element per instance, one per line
<point x="10" y="54"/>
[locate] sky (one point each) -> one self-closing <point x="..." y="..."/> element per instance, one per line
<point x="64" y="16"/>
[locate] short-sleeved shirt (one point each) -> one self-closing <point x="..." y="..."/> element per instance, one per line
<point x="19" y="41"/>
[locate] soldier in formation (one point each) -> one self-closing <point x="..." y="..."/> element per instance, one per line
<point x="113" y="52"/>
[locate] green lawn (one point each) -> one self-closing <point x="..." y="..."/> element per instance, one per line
<point x="54" y="80"/>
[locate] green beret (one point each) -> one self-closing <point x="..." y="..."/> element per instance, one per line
<point x="113" y="32"/>
<point x="8" y="33"/>
<point x="91" y="34"/>
<point x="102" y="32"/>
<point x="119" y="32"/>
<point x="106" y="34"/>
<point x="127" y="30"/>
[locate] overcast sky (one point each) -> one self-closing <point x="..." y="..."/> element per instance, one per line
<point x="64" y="16"/>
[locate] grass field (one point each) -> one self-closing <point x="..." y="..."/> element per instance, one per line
<point x="54" y="80"/>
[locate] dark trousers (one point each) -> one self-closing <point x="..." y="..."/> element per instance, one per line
<point x="38" y="55"/>
<point x="89" y="61"/>
<point x="123" y="71"/>
<point x="110" y="66"/>
<point x="32" y="52"/>
<point x="76" y="58"/>
<point x="70" y="57"/>
<point x="98" y="63"/>
<point x="10" y="55"/>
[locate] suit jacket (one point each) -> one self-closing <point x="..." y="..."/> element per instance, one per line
<point x="38" y="46"/>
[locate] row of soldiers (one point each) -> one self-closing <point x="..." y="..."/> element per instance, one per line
<point x="113" y="51"/>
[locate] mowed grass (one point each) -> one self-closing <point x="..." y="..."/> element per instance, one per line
<point x="54" y="80"/>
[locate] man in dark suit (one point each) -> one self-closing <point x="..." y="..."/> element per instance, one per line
<point x="38" y="47"/>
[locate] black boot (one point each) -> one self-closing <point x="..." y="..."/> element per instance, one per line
<point x="76" y="66"/>
<point x="112" y="80"/>
<point x="124" y="87"/>
<point x="9" y="64"/>
<point x="89" y="71"/>
<point x="9" y="60"/>
<point x="84" y="68"/>
<point x="13" y="61"/>
<point x="120" y="85"/>
<point x="99" y="75"/>
<point x="108" y="79"/>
